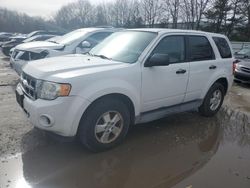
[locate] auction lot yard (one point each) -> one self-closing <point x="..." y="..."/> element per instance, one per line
<point x="184" y="150"/>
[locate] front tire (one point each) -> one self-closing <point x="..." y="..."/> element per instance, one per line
<point x="104" y="125"/>
<point x="213" y="100"/>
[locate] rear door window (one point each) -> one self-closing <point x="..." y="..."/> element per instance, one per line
<point x="223" y="47"/>
<point x="199" y="48"/>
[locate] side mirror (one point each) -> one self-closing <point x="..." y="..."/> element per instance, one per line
<point x="85" y="44"/>
<point x="157" y="60"/>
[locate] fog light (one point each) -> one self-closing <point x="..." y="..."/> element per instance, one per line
<point x="46" y="120"/>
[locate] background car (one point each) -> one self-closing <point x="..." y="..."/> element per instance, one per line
<point x="77" y="41"/>
<point x="14" y="41"/>
<point x="242" y="71"/>
<point x="5" y="36"/>
<point x="243" y="53"/>
<point x="35" y="38"/>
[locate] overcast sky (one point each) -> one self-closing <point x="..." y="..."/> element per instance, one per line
<point x="44" y="8"/>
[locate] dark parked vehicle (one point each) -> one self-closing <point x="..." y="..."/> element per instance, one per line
<point x="242" y="71"/>
<point x="41" y="32"/>
<point x="36" y="38"/>
<point x="20" y="39"/>
<point x="5" y="36"/>
<point x="6" y="46"/>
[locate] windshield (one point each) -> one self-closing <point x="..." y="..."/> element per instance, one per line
<point x="70" y="37"/>
<point x="244" y="51"/>
<point x="124" y="46"/>
<point x="31" y="34"/>
<point x="30" y="39"/>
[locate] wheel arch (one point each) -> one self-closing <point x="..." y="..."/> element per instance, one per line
<point x="122" y="97"/>
<point x="127" y="101"/>
<point x="224" y="82"/>
<point x="219" y="79"/>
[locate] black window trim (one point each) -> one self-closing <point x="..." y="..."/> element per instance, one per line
<point x="171" y="35"/>
<point x="187" y="51"/>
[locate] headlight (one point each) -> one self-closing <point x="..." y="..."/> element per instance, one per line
<point x="50" y="90"/>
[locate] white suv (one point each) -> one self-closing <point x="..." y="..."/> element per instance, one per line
<point x="78" y="41"/>
<point x="133" y="76"/>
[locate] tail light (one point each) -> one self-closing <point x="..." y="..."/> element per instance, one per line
<point x="234" y="65"/>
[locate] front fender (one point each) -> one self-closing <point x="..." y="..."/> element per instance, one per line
<point x="112" y="86"/>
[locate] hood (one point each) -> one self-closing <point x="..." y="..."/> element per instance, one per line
<point x="39" y="46"/>
<point x="10" y="44"/>
<point x="245" y="63"/>
<point x="69" y="66"/>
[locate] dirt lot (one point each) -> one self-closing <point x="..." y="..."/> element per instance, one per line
<point x="184" y="150"/>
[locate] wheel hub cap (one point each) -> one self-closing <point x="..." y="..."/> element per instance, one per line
<point x="108" y="127"/>
<point x="215" y="100"/>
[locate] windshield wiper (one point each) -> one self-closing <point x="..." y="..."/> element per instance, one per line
<point x="101" y="56"/>
<point x="53" y="41"/>
<point x="95" y="55"/>
<point x="87" y="53"/>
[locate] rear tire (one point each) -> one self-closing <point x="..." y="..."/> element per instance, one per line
<point x="213" y="100"/>
<point x="104" y="125"/>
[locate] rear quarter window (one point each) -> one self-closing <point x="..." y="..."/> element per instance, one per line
<point x="223" y="47"/>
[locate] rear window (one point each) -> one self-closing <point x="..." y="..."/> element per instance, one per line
<point x="223" y="47"/>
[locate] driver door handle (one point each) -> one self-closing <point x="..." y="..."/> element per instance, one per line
<point x="181" y="71"/>
<point x="212" y="67"/>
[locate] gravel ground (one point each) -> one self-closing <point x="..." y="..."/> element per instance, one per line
<point x="14" y="125"/>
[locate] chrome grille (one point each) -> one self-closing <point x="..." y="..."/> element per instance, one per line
<point x="29" y="85"/>
<point x="245" y="69"/>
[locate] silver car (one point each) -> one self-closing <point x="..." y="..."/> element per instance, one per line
<point x="242" y="71"/>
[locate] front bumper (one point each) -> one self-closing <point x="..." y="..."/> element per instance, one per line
<point x="242" y="77"/>
<point x="60" y="116"/>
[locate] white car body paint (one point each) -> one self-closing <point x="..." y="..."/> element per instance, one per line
<point x="149" y="88"/>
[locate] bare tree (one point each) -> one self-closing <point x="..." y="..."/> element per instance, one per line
<point x="193" y="11"/>
<point x="134" y="14"/>
<point x="234" y="16"/>
<point x="12" y="21"/>
<point x="121" y="12"/>
<point x="172" y="6"/>
<point x="151" y="10"/>
<point x="246" y="14"/>
<point x="101" y="16"/>
<point x="84" y="11"/>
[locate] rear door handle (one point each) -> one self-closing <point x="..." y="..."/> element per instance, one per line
<point x="212" y="67"/>
<point x="181" y="71"/>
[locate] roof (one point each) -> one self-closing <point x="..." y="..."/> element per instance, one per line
<point x="91" y="29"/>
<point x="165" y="30"/>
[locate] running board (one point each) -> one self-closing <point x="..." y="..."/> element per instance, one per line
<point x="165" y="111"/>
